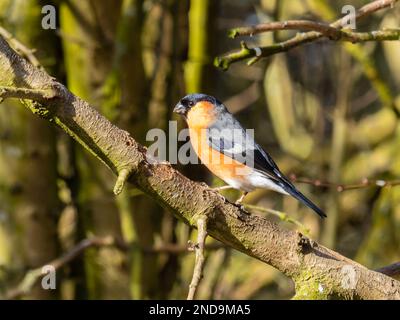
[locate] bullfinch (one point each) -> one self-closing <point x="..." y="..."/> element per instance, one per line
<point x="230" y="152"/>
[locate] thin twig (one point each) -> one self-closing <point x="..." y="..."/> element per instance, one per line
<point x="365" y="183"/>
<point x="319" y="30"/>
<point x="20" y="48"/>
<point x="33" y="276"/>
<point x="324" y="28"/>
<point x="199" y="263"/>
<point x="281" y="215"/>
<point x="26" y="93"/>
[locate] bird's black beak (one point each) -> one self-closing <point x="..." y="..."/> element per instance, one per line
<point x="180" y="109"/>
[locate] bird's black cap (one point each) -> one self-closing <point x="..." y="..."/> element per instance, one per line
<point x="187" y="102"/>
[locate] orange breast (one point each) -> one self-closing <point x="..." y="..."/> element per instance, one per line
<point x="199" y="118"/>
<point x="222" y="166"/>
<point x="202" y="115"/>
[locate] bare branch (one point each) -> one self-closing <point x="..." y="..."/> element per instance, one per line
<point x="25" y="93"/>
<point x="199" y="263"/>
<point x="340" y="187"/>
<point x="33" y="276"/>
<point x="324" y="28"/>
<point x="369" y="8"/>
<point x="20" y="48"/>
<point x="332" y="31"/>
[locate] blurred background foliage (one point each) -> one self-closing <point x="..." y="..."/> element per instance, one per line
<point x="327" y="111"/>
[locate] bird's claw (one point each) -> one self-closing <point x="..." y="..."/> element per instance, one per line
<point x="241" y="207"/>
<point x="242" y="211"/>
<point x="238" y="203"/>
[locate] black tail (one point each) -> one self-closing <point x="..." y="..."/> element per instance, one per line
<point x="291" y="189"/>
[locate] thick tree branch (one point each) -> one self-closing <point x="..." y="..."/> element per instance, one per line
<point x="309" y="264"/>
<point x="332" y="31"/>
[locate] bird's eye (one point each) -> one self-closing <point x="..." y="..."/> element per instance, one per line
<point x="191" y="103"/>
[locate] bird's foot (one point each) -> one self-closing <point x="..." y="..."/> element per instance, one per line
<point x="240" y="200"/>
<point x="239" y="204"/>
<point x="242" y="212"/>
